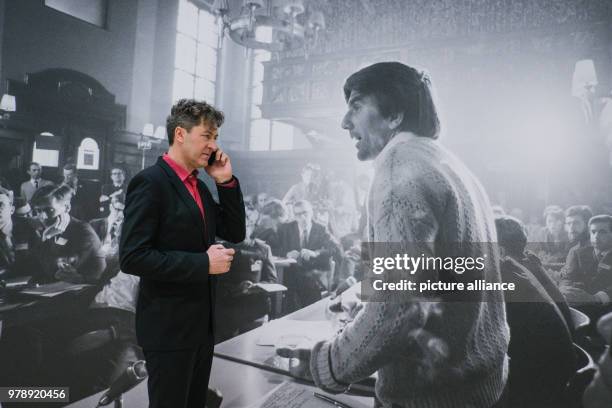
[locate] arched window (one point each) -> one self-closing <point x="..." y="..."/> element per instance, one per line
<point x="89" y="155"/>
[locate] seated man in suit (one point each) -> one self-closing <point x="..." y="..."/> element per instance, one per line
<point x="116" y="189"/>
<point x="587" y="283"/>
<point x="552" y="243"/>
<point x="312" y="246"/>
<point x="18" y="242"/>
<point x="81" y="204"/>
<point x="271" y="217"/>
<point x="239" y="303"/>
<point x="540" y="349"/>
<point x="28" y="188"/>
<point x="576" y="224"/>
<point x="70" y="249"/>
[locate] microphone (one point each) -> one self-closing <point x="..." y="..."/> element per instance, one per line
<point x="133" y="375"/>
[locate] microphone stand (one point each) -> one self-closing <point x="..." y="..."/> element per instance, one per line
<point x="136" y="372"/>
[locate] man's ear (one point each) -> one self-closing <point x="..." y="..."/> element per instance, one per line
<point x="395" y="120"/>
<point x="179" y="134"/>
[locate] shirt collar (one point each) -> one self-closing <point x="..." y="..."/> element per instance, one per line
<point x="178" y="169"/>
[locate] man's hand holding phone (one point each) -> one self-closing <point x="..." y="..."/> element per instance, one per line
<point x="219" y="259"/>
<point x="219" y="167"/>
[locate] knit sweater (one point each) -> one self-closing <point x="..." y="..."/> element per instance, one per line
<point x="423" y="194"/>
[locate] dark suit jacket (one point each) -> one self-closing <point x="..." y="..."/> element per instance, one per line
<point x="80" y="245"/>
<point x="540" y="349"/>
<point x="319" y="240"/>
<point x="164" y="241"/>
<point x="584" y="271"/>
<point x="108" y="189"/>
<point x="100" y="226"/>
<point x="242" y="266"/>
<point x="24" y="260"/>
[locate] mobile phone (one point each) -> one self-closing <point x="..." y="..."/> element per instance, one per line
<point x="212" y="158"/>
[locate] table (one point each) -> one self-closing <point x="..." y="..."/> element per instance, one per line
<point x="244" y="348"/>
<point x="18" y="309"/>
<point x="237" y="373"/>
<point x="241" y="385"/>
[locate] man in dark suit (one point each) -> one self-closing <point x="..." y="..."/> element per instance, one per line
<point x="588" y="281"/>
<point x="70" y="250"/>
<point x="81" y="203"/>
<point x="168" y="239"/>
<point x="109" y="191"/>
<point x="312" y="246"/>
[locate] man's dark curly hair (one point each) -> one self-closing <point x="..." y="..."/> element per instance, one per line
<point x="188" y="113"/>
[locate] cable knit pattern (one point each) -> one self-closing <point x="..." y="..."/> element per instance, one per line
<point x="427" y="353"/>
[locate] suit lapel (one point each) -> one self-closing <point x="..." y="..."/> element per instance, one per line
<point x="605" y="266"/>
<point x="183" y="193"/>
<point x="209" y="207"/>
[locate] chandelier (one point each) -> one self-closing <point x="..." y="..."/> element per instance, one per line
<point x="273" y="25"/>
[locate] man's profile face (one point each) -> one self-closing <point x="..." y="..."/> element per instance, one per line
<point x="199" y="143"/>
<point x="601" y="236"/>
<point x="34" y="171"/>
<point x="366" y="125"/>
<point x="574" y="225"/>
<point x="117" y="176"/>
<point x="303" y="216"/>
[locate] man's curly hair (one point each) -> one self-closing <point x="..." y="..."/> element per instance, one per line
<point x="188" y="113"/>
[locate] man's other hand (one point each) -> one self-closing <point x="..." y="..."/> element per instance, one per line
<point x="219" y="259"/>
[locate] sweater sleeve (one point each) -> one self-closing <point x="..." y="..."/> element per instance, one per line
<point x="379" y="333"/>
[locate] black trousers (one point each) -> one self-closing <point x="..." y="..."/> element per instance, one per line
<point x="179" y="378"/>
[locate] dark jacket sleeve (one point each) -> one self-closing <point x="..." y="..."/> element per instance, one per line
<point x="92" y="262"/>
<point x="572" y="274"/>
<point x="231" y="218"/>
<point x="268" y="270"/>
<point x="327" y="247"/>
<point x="138" y="252"/>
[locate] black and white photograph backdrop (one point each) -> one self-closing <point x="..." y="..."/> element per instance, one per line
<point x="348" y="122"/>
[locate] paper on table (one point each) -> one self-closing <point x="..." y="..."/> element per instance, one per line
<point x="279" y="331"/>
<point x="293" y="395"/>
<point x="283" y="261"/>
<point x="270" y="287"/>
<point x="54" y="289"/>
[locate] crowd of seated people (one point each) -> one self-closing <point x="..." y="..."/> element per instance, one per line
<point x="42" y="240"/>
<point x="573" y="248"/>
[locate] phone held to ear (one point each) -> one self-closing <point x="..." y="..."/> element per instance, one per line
<point x="212" y="158"/>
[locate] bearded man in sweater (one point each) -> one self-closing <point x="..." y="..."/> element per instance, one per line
<point x="428" y="353"/>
